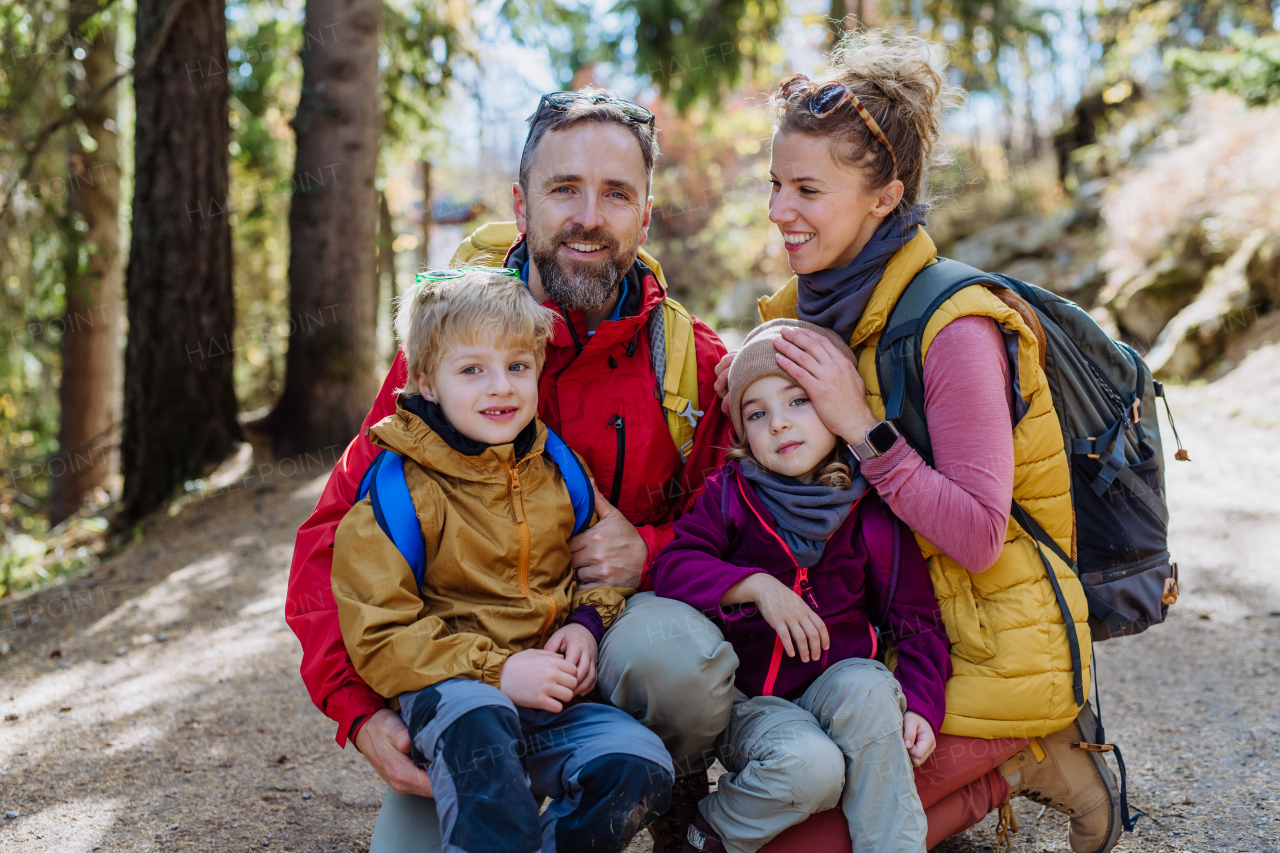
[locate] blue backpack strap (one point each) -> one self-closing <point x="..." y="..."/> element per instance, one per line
<point x="385" y="485"/>
<point x="582" y="496"/>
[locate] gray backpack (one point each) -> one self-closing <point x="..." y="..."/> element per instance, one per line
<point x="1104" y="396"/>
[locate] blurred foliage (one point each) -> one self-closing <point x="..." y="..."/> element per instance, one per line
<point x="693" y="51"/>
<point x="711" y="226"/>
<point x="1250" y="68"/>
<point x="1137" y="33"/>
<point x="40" y="248"/>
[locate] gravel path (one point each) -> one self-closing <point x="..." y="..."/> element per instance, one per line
<point x="154" y="704"/>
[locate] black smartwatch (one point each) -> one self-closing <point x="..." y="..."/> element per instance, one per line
<point x="876" y="442"/>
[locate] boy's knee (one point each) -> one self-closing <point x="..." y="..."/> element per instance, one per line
<point x="483" y="755"/>
<point x="620" y="794"/>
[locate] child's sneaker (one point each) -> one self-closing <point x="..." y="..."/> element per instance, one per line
<point x="702" y="838"/>
<point x="671" y="827"/>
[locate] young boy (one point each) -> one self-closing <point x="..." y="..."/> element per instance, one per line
<point x="486" y="657"/>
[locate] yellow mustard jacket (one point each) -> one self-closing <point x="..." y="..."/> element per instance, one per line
<point x="498" y="579"/>
<point x="1013" y="675"/>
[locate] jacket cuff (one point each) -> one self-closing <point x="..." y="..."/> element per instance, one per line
<point x="361" y="705"/>
<point x="588" y="617"/>
<point x="491" y="669"/>
<point x="656" y="537"/>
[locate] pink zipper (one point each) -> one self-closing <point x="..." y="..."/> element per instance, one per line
<point x="802" y="580"/>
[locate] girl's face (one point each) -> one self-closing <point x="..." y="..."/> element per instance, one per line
<point x="783" y="429"/>
<point x="823" y="209"/>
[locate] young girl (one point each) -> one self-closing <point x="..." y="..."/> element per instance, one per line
<point x="803" y="566"/>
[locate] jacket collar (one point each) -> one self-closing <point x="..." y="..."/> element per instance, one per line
<point x="644" y="293"/>
<point x="902" y="267"/>
<point x="410" y="436"/>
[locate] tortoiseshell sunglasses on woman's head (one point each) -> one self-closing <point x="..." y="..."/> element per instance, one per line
<point x="826" y="99"/>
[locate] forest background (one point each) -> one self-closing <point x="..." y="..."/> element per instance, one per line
<point x="207" y="209"/>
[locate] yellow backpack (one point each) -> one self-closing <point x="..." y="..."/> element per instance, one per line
<point x="676" y="362"/>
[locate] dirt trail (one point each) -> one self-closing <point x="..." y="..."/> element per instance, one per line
<point x="154" y="704"/>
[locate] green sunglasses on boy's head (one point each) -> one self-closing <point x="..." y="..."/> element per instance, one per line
<point x="432" y="276"/>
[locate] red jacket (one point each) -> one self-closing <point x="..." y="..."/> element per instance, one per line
<point x="600" y="399"/>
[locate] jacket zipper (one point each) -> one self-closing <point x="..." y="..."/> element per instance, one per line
<point x="522" y="571"/>
<point x="802" y="581"/>
<point x="618" y="423"/>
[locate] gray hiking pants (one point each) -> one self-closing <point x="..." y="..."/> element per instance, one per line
<point x="662" y="662"/>
<point x="840" y="743"/>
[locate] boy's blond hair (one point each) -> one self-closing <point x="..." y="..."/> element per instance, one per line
<point x="436" y="315"/>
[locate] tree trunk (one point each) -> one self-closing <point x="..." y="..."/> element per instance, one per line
<point x="91" y="357"/>
<point x="179" y="400"/>
<point x="330" y="378"/>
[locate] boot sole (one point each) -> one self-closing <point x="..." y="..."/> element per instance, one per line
<point x="1088" y="725"/>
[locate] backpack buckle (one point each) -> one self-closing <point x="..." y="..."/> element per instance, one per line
<point x="1093" y="455"/>
<point x="1092" y="747"/>
<point x="1170" y="594"/>
<point x="1137" y="407"/>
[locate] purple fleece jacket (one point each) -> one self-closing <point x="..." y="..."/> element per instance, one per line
<point x="721" y="540"/>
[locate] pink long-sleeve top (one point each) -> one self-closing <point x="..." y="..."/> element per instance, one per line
<point x="962" y="505"/>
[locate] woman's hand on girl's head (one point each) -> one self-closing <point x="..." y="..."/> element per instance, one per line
<point x="722" y="379"/>
<point x="797" y="625"/>
<point x="918" y="737"/>
<point x="829" y="379"/>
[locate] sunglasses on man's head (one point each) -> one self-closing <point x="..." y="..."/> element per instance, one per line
<point x="561" y="101"/>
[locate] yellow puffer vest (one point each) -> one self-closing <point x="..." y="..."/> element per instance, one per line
<point x="1011" y="658"/>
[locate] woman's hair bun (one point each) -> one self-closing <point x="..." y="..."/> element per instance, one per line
<point x="900" y="79"/>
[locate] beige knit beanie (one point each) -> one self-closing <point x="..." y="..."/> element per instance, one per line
<point x="757" y="359"/>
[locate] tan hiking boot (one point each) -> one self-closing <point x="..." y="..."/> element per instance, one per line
<point x="671" y="828"/>
<point x="1055" y="771"/>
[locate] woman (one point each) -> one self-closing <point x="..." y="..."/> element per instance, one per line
<point x="850" y="152"/>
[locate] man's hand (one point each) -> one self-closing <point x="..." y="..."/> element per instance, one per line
<point x="787" y="613"/>
<point x="829" y="379"/>
<point x="611" y="553"/>
<point x="537" y="678"/>
<point x="580" y="651"/>
<point x="918" y="737"/>
<point x="722" y="379"/>
<point x="384" y="742"/>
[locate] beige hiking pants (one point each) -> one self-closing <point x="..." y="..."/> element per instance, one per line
<point x="840" y="743"/>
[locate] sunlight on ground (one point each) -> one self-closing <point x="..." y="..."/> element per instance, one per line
<point x="161" y="674"/>
<point x="72" y="827"/>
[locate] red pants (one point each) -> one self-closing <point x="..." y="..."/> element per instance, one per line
<point x="958" y="786"/>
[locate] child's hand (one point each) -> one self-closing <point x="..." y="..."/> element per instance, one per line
<point x="918" y="737"/>
<point x="580" y="651"/>
<point x="785" y="612"/>
<point x="537" y="678"/>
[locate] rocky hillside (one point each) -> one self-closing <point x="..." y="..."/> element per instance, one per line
<point x="1178" y="251"/>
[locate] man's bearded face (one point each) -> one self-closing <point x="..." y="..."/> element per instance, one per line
<point x="570" y="276"/>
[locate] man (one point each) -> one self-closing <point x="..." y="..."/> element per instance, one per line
<point x="583" y="208"/>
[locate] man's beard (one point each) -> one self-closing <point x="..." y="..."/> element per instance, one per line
<point x="580" y="285"/>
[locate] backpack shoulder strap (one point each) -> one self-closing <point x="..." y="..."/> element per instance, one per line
<point x="676" y="367"/>
<point x="581" y="495"/>
<point x="899" y="353"/>
<point x="384" y="484"/>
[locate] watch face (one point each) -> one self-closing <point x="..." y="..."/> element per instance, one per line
<point x="882" y="436"/>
